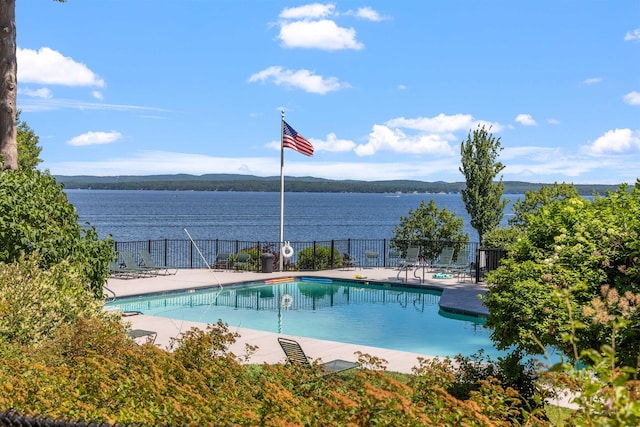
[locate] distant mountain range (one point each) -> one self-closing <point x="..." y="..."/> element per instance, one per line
<point x="236" y="182"/>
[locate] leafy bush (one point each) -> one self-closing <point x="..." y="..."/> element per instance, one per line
<point x="501" y="237"/>
<point x="510" y="370"/>
<point x="35" y="216"/>
<point x="35" y="303"/>
<point x="576" y="245"/>
<point x="431" y="228"/>
<point x="318" y="257"/>
<point x="91" y="371"/>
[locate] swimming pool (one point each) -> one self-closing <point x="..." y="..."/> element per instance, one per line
<point x="386" y="316"/>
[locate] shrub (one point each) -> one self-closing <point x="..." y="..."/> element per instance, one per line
<point x="35" y="303"/>
<point x="318" y="258"/>
<point x="35" y="216"/>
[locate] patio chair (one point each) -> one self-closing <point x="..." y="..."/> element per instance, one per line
<point x="118" y="271"/>
<point x="151" y="265"/>
<point x="295" y="355"/>
<point x="469" y="271"/>
<point x="461" y="263"/>
<point x="349" y="262"/>
<point x="395" y="258"/>
<point x="132" y="265"/>
<point x="242" y="262"/>
<point x="411" y="260"/>
<point x="444" y="259"/>
<point x="371" y="259"/>
<point x="149" y="336"/>
<point x="222" y="261"/>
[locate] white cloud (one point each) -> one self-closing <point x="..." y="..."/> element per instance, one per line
<point x="367" y="13"/>
<point x="382" y="138"/>
<point x="333" y="144"/>
<point x="95" y="138"/>
<point x="323" y="34"/>
<point x="38" y="105"/>
<point x="592" y="80"/>
<point x="301" y="79"/>
<point x="525" y="120"/>
<point x="47" y="66"/>
<point x="441" y="123"/>
<point x="541" y="154"/>
<point x="632" y="35"/>
<point x="632" y="98"/>
<point x="37" y="93"/>
<point x="315" y="11"/>
<point x="553" y="121"/>
<point x="617" y="141"/>
<point x="97" y="95"/>
<point x="425" y="136"/>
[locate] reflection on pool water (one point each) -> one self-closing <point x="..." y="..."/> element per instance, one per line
<point x="384" y="316"/>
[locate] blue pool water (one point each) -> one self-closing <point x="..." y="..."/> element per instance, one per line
<point x="374" y="315"/>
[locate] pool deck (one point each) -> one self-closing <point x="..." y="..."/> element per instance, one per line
<point x="458" y="296"/>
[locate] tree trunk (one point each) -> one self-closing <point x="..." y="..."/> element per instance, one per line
<point x="8" y="85"/>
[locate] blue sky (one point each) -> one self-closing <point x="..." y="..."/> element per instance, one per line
<point x="382" y="89"/>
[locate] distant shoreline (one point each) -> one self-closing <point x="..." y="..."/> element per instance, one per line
<point x="246" y="183"/>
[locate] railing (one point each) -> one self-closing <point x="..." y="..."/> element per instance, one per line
<point x="363" y="253"/>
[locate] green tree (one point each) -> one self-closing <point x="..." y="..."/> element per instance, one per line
<point x="579" y="247"/>
<point x="28" y="149"/>
<point x="431" y="228"/>
<point x="8" y="85"/>
<point x="536" y="199"/>
<point x="482" y="196"/>
<point x="37" y="218"/>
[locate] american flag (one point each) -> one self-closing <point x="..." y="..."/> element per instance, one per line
<point x="295" y="141"/>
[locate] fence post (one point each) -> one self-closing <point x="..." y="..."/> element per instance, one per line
<point x="384" y="253"/>
<point x="314" y="256"/>
<point x="478" y="254"/>
<point x="333" y="245"/>
<point x="166" y="258"/>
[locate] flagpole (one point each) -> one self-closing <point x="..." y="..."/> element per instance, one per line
<point x="281" y="191"/>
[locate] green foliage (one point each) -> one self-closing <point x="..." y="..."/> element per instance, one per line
<point x="536" y="199"/>
<point x="35" y="303"/>
<point x="482" y="196"/>
<point x="28" y="150"/>
<point x="501" y="237"/>
<point x="511" y="371"/>
<point x="430" y="228"/>
<point x="573" y="244"/>
<point x="35" y="216"/>
<point x="319" y="258"/>
<point x="91" y="371"/>
<point x="607" y="394"/>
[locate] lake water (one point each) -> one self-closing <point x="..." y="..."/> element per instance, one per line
<point x="252" y="216"/>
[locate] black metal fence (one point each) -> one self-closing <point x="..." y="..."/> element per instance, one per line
<point x="13" y="418"/>
<point x="361" y="252"/>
